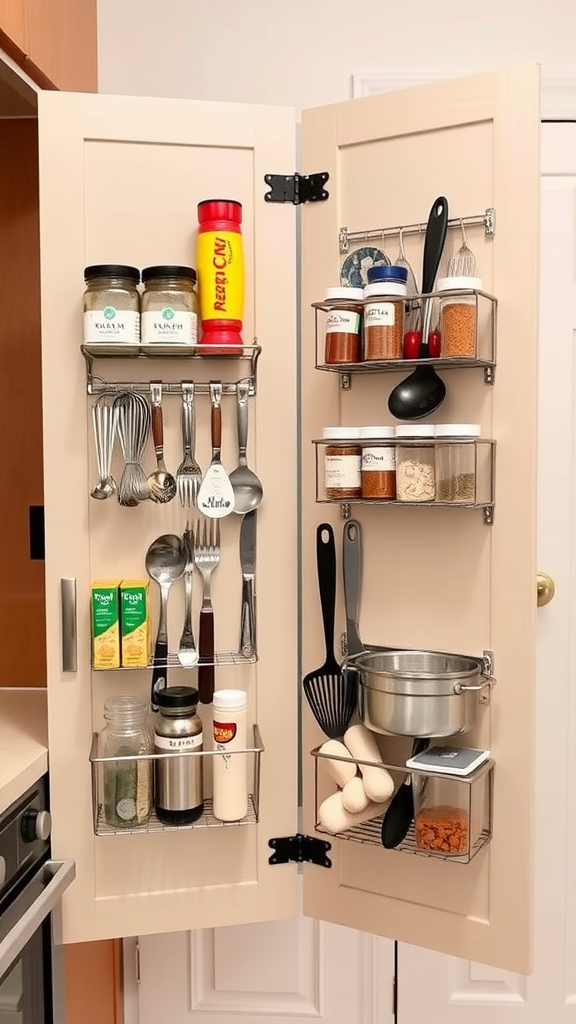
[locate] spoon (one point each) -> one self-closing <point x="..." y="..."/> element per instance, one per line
<point x="246" y="485"/>
<point x="423" y="391"/>
<point x="165" y="563"/>
<point x="161" y="483"/>
<point x="104" y="421"/>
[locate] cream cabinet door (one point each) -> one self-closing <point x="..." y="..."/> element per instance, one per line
<point x="437" y="578"/>
<point x="119" y="182"/>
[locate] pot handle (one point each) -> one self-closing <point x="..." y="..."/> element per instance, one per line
<point x="462" y="687"/>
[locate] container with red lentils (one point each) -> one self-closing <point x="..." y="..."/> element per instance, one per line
<point x="343" y="325"/>
<point x="378" y="463"/>
<point x="384" y="312"/>
<point x="459" y="315"/>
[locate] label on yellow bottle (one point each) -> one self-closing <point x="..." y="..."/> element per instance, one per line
<point x="221" y="275"/>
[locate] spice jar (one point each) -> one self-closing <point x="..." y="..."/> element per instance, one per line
<point x="378" y="463"/>
<point x="111" y="305"/>
<point x="456" y="462"/>
<point x="127" y="784"/>
<point x="169" y="306"/>
<point x="178" y="781"/>
<point x="342" y="463"/>
<point x="415" y="464"/>
<point x="343" y="325"/>
<point x="384" y="312"/>
<point x="230" y="798"/>
<point x="458" y="316"/>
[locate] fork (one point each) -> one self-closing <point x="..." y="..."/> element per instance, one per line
<point x="206" y="558"/>
<point x="187" y="652"/>
<point x="189" y="474"/>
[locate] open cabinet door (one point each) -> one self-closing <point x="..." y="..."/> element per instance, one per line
<point x="119" y="182"/>
<point x="436" y="578"/>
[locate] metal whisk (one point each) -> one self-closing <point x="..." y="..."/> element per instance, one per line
<point x="463" y="263"/>
<point x="133" y="430"/>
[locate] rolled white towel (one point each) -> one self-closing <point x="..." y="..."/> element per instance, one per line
<point x="361" y="743"/>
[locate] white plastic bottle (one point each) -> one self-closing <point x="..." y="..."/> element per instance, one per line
<point x="230" y="789"/>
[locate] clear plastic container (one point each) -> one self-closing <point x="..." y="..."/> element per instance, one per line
<point x="456" y="462"/>
<point x="127" y="787"/>
<point x="452" y="815"/>
<point x="111" y="305"/>
<point x="229" y="708"/>
<point x="415" y="465"/>
<point x="458" y="316"/>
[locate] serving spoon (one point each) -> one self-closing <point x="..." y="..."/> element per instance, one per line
<point x="247" y="487"/>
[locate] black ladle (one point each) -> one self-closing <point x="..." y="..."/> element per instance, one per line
<point x="423" y="391"/>
<point x="400" y="811"/>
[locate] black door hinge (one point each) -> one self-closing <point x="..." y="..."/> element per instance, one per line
<point x="300" y="848"/>
<point x="296" y="188"/>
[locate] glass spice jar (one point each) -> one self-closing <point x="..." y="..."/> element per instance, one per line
<point x="111" y="305"/>
<point x="342" y="463"/>
<point x="458" y="316"/>
<point x="456" y="462"/>
<point x="378" y="464"/>
<point x="343" y="325"/>
<point x="415" y="464"/>
<point x="127" y="782"/>
<point x="169" y="306"/>
<point x="384" y="312"/>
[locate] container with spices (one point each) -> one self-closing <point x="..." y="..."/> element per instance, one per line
<point x="384" y="312"/>
<point x="111" y="305"/>
<point x="415" y="464"/>
<point x="169" y="306"/>
<point x="452" y="814"/>
<point x="343" y="325"/>
<point x="378" y="463"/>
<point x="342" y="463"/>
<point x="456" y="462"/>
<point x="230" y="784"/>
<point x="127" y="783"/>
<point x="458" y="315"/>
<point x="178" y="788"/>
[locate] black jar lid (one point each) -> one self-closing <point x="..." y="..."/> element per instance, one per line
<point x="112" y="270"/>
<point x="169" y="271"/>
<point x="176" y="697"/>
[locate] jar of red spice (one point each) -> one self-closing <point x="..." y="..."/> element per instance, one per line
<point x="342" y="460"/>
<point x="343" y="325"/>
<point x="378" y="463"/>
<point x="384" y="312"/>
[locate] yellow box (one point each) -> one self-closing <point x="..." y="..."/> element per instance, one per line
<point x="105" y="624"/>
<point x="135" y="623"/>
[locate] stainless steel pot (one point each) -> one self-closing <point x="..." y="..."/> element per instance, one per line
<point x="417" y="693"/>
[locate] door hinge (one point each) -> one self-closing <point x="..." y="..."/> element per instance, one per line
<point x="296" y="188"/>
<point x="300" y="848"/>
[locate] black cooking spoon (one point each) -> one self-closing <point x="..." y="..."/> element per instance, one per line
<point x="400" y="811"/>
<point x="423" y="391"/>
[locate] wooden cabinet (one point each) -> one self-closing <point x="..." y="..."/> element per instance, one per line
<point x="13" y="24"/>
<point x="55" y="43"/>
<point x="437" y="578"/>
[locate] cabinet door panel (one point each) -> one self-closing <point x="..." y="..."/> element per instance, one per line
<point x="437" y="578"/>
<point x="61" y="42"/>
<point x="120" y="180"/>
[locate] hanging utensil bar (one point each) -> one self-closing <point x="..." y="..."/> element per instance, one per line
<point x="487" y="220"/>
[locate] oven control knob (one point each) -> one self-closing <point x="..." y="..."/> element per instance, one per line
<point x="2" y="871"/>
<point x="36" y="825"/>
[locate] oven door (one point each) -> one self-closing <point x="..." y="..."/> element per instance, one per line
<point x="26" y="976"/>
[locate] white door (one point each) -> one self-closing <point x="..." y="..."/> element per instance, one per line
<point x="436" y="989"/>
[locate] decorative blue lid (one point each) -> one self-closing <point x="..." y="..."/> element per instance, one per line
<point x="385" y="273"/>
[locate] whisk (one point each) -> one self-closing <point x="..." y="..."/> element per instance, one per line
<point x="463" y="263"/>
<point x="104" y="422"/>
<point x="133" y="430"/>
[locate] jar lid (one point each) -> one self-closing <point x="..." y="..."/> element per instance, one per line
<point x="343" y="294"/>
<point x="229" y="700"/>
<point x="457" y="430"/>
<point x="415" y="430"/>
<point x="169" y="271"/>
<point x="176" y="697"/>
<point x="220" y="209"/>
<point x="453" y="284"/>
<point x="386" y="272"/>
<point x="341" y="433"/>
<point x="377" y="431"/>
<point x="382" y="289"/>
<point x="112" y="270"/>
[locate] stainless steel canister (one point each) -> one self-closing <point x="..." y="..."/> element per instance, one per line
<point x="178" y="780"/>
<point x="417" y="693"/>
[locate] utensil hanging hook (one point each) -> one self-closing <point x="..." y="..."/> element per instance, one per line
<point x="463" y="230"/>
<point x="401" y="242"/>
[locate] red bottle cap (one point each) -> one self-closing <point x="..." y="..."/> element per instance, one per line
<point x="220" y="209"/>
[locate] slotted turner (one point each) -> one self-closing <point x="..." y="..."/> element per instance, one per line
<point x="330" y="692"/>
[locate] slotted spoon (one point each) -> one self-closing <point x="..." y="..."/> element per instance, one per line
<point x="330" y="692"/>
<point x="463" y="263"/>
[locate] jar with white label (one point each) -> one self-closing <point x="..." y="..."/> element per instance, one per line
<point x="384" y="312"/>
<point x="169" y="306"/>
<point x="343" y="325"/>
<point x="178" y="781"/>
<point x="230" y="782"/>
<point x="342" y="463"/>
<point x="378" y="464"/>
<point x="415" y="463"/>
<point x="111" y="305"/>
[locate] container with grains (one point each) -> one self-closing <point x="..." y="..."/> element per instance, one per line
<point x="459" y="316"/>
<point x="169" y="306"/>
<point x="343" y="325"/>
<point x="452" y="812"/>
<point x="384" y="312"/>
<point x="415" y="463"/>
<point x="456" y="462"/>
<point x="127" y="782"/>
<point x="342" y="463"/>
<point x="111" y="304"/>
<point x="378" y="463"/>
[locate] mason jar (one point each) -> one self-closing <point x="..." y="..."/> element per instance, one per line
<point x="127" y="783"/>
<point x="169" y="306"/>
<point x="111" y="305"/>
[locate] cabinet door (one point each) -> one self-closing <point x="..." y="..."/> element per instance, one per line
<point x="438" y="578"/>
<point x="13" y="21"/>
<point x="119" y="181"/>
<point x="61" y="41"/>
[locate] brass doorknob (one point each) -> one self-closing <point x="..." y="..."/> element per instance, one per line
<point x="545" y="589"/>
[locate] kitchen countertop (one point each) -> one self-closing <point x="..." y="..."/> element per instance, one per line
<point x="23" y="741"/>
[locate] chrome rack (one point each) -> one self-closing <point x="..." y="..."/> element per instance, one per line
<point x="486" y="219"/>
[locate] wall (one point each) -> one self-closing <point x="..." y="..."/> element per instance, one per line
<point x="303" y="53"/>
